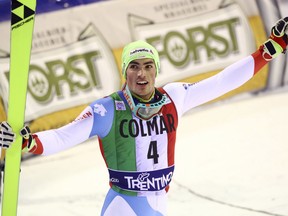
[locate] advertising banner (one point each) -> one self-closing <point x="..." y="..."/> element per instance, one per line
<point x="76" y="52"/>
<point x="67" y="76"/>
<point x="199" y="44"/>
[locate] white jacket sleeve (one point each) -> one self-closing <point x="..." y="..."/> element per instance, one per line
<point x="189" y="95"/>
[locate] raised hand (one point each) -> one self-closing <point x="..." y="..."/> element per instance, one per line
<point x="277" y="43"/>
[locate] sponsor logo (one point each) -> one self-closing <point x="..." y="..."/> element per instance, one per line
<point x="84" y="116"/>
<point x="114" y="180"/>
<point x="187" y="85"/>
<point x="120" y="105"/>
<point x="65" y="77"/>
<point x="154" y="180"/>
<point x="19" y="14"/>
<point x="140" y="50"/>
<point x="144" y="183"/>
<point x="141" y="177"/>
<point x="99" y="109"/>
<point x="182" y="49"/>
<point x="45" y="83"/>
<point x="156" y="125"/>
<point x="198" y="44"/>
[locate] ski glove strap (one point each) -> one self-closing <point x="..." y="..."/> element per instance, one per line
<point x="7" y="136"/>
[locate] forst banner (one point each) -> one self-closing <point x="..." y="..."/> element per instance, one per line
<point x="76" y="52"/>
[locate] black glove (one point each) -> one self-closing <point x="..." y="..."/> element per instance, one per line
<point x="28" y="140"/>
<point x="7" y="136"/>
<point x="277" y="43"/>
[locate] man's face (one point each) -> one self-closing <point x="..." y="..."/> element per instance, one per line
<point x="140" y="77"/>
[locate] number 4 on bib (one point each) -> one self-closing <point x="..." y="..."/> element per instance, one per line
<point x="153" y="152"/>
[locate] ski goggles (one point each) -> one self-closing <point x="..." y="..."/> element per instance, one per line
<point x="143" y="110"/>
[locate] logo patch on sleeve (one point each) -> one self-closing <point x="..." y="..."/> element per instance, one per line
<point x="119" y="105"/>
<point x="100" y="109"/>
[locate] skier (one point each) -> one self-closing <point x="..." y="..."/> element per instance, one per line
<point x="137" y="125"/>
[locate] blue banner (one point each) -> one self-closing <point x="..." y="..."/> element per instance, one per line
<point x="155" y="180"/>
<point x="43" y="6"/>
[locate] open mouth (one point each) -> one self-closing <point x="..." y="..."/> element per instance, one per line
<point x="142" y="83"/>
